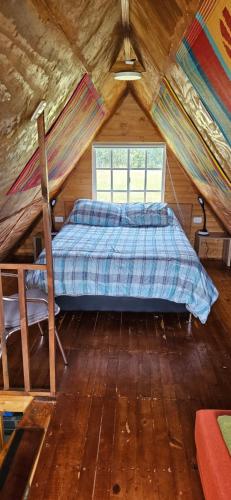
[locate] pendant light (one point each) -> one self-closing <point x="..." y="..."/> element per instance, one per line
<point x="127" y="75"/>
<point x="128" y="70"/>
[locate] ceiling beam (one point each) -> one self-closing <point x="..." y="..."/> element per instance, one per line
<point x="126" y="28"/>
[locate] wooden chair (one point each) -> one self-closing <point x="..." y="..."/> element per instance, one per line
<point x="37" y="312"/>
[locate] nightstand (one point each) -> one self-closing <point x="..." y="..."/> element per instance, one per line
<point x="224" y="237"/>
<point x="38" y="243"/>
<point x="53" y="234"/>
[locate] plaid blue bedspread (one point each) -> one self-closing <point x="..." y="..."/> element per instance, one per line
<point x="144" y="262"/>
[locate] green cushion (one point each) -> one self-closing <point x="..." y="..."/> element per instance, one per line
<point x="224" y="422"/>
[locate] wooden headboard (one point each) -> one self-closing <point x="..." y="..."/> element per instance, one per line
<point x="68" y="205"/>
<point x="183" y="214"/>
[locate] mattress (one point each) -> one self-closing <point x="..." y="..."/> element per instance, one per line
<point x="138" y="262"/>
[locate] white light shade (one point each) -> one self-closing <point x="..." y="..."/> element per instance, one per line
<point x="127" y="75"/>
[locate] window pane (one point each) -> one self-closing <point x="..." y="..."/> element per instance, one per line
<point x="136" y="196"/>
<point x="103" y="156"/>
<point x="155" y="157"/>
<point x="119" y="197"/>
<point x="116" y="179"/>
<point x="137" y="158"/>
<point x="120" y="158"/>
<point x="103" y="179"/>
<point x="120" y="179"/>
<point x="154" y="179"/>
<point x="137" y="179"/>
<point x="153" y="197"/>
<point x="103" y="196"/>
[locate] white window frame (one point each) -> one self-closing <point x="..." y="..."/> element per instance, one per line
<point x="144" y="145"/>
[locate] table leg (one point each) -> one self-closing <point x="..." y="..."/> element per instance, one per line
<point x="1" y="431"/>
<point x="226" y="256"/>
<point x="197" y="244"/>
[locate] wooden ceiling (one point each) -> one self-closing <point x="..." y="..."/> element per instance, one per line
<point x="46" y="46"/>
<point x="157" y="29"/>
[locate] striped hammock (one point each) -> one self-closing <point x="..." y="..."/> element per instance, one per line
<point x="67" y="138"/>
<point x="205" y="57"/>
<point x="190" y="149"/>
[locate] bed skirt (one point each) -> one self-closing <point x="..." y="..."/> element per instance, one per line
<point x="120" y="304"/>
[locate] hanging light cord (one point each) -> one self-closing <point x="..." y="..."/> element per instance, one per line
<point x="174" y="192"/>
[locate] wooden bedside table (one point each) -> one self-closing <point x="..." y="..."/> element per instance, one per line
<point x="38" y="243"/>
<point x="53" y="234"/>
<point x="225" y="237"/>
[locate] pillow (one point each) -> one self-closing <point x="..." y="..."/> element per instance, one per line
<point x="224" y="422"/>
<point x="172" y="219"/>
<point x="144" y="214"/>
<point x="95" y="213"/>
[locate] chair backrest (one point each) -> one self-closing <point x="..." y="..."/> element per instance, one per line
<point x="20" y="316"/>
<point x="37" y="308"/>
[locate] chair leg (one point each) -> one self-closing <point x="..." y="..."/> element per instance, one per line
<point x="189" y="324"/>
<point x="41" y="330"/>
<point x="61" y="347"/>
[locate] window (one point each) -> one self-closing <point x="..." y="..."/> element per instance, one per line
<point x="123" y="173"/>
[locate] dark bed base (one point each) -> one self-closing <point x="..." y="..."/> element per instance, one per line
<point x="129" y="304"/>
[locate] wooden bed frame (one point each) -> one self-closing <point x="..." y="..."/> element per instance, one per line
<point x="119" y="304"/>
<point x="183" y="212"/>
<point x="122" y="304"/>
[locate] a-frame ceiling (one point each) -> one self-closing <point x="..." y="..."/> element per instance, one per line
<point x="46" y="48"/>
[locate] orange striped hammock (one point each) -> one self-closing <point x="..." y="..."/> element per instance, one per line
<point x="67" y="137"/>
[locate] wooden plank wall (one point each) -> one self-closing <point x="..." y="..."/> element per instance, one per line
<point x="130" y="124"/>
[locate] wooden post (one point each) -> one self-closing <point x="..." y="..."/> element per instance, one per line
<point x="3" y="341"/>
<point x="48" y="247"/>
<point x="1" y="431"/>
<point x="126" y="28"/>
<point x="24" y="329"/>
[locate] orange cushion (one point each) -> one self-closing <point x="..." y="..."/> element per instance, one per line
<point x="213" y="457"/>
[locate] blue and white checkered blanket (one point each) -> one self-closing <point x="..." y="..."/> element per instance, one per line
<point x="144" y="262"/>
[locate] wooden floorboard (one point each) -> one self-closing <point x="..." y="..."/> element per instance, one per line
<point x="123" y="423"/>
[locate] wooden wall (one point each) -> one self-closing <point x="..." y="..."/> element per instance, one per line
<point x="130" y="124"/>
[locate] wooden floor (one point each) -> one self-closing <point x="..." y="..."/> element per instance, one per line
<point x="123" y="425"/>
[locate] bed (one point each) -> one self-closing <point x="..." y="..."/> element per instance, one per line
<point x="131" y="257"/>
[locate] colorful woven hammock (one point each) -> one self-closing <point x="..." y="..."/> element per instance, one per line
<point x="205" y="57"/>
<point x="192" y="152"/>
<point x="67" y="137"/>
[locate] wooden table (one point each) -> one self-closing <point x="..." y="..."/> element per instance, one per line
<point x="225" y="237"/>
<point x="38" y="243"/>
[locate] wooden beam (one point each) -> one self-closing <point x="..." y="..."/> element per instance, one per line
<point x="21" y="393"/>
<point x="48" y="247"/>
<point x="125" y="13"/>
<point x="1" y="431"/>
<point x="24" y="328"/>
<point x="15" y="403"/>
<point x="127" y="48"/>
<point x="126" y="28"/>
<point x="25" y="267"/>
<point x="3" y="341"/>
